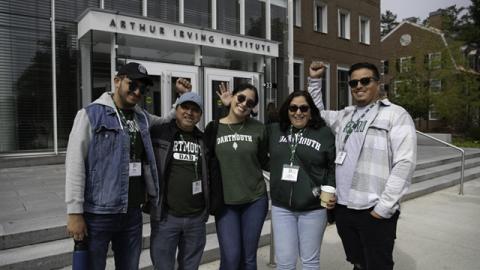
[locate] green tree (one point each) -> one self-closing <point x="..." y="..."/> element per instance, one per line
<point x="388" y="21"/>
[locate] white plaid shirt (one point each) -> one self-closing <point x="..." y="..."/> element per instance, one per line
<point x="387" y="158"/>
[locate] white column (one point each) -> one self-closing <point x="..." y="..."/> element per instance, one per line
<point x="290" y="46"/>
<point x="86" y="70"/>
<point x="181" y="11"/>
<point x="54" y="81"/>
<point x="102" y="4"/>
<point x="242" y="17"/>
<point x="144" y="8"/>
<point x="214" y="14"/>
<point x="268" y="19"/>
<point x="113" y="56"/>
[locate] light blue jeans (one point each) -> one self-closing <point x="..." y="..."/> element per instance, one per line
<point x="298" y="233"/>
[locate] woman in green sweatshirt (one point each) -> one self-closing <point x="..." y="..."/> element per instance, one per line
<point x="302" y="154"/>
<point x="236" y="152"/>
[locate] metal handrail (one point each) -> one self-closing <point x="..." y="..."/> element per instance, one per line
<point x="462" y="172"/>
<point x="271" y="262"/>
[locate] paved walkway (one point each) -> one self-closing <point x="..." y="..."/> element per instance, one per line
<point x="436" y="231"/>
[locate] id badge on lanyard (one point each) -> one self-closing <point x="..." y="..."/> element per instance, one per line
<point x="196" y="187"/>
<point x="290" y="173"/>
<point x="135" y="169"/>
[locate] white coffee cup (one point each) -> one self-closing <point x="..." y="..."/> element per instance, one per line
<point x="327" y="193"/>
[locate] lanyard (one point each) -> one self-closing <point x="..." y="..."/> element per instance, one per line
<point x="132" y="127"/>
<point x="197" y="156"/>
<point x="353" y="125"/>
<point x="293" y="141"/>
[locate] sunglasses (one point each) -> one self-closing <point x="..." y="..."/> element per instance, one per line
<point x="133" y="85"/>
<point x="294" y="108"/>
<point x="242" y="98"/>
<point x="363" y="81"/>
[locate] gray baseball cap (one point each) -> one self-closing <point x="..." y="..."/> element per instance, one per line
<point x="191" y="97"/>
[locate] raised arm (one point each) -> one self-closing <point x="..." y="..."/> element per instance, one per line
<point x="182" y="86"/>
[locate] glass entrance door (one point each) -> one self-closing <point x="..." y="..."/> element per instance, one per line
<point x="214" y="77"/>
<point x="162" y="94"/>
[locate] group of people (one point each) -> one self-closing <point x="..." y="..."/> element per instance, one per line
<point x="121" y="161"/>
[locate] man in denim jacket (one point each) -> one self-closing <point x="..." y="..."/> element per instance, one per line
<point x="376" y="155"/>
<point x="111" y="170"/>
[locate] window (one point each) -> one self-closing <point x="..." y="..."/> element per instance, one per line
<point x="405" y="64"/>
<point x="343" y="89"/>
<point x="384" y="67"/>
<point x="343" y="24"/>
<point x="435" y="86"/>
<point x="297" y="13"/>
<point x="298" y="83"/>
<point x="433" y="114"/>
<point x="320" y="17"/>
<point x="434" y="60"/>
<point x="364" y="31"/>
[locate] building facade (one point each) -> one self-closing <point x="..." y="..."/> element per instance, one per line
<point x="339" y="33"/>
<point x="59" y="55"/>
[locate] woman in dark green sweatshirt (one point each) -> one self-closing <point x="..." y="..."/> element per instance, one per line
<point x="302" y="154"/>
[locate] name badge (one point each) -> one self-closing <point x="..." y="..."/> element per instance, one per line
<point x="290" y="173"/>
<point x="135" y="169"/>
<point x="197" y="187"/>
<point x="340" y="157"/>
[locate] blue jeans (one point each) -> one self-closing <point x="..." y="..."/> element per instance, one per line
<point x="238" y="230"/>
<point x="125" y="233"/>
<point x="298" y="233"/>
<point x="186" y="233"/>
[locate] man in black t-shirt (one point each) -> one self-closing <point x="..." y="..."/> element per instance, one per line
<point x="178" y="221"/>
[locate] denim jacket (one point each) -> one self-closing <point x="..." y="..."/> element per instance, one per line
<point x="98" y="156"/>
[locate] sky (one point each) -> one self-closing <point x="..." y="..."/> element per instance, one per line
<point x="418" y="8"/>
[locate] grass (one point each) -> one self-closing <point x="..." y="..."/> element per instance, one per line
<point x="466" y="142"/>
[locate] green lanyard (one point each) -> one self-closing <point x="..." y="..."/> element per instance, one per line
<point x="132" y="127"/>
<point x="354" y="125"/>
<point x="195" y="163"/>
<point x="293" y="143"/>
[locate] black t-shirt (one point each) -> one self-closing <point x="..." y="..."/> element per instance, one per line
<point x="184" y="189"/>
<point x="136" y="185"/>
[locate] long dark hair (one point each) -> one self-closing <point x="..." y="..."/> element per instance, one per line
<point x="315" y="122"/>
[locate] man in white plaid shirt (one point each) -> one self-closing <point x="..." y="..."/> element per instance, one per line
<point x="376" y="156"/>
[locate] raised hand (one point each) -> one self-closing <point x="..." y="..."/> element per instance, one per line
<point x="183" y="85"/>
<point x="224" y="94"/>
<point x="316" y="69"/>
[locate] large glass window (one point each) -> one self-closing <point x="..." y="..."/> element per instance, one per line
<point x="255" y="18"/>
<point x="320" y="16"/>
<point x="343" y="90"/>
<point x="198" y="12"/>
<point x="127" y="6"/>
<point x="280" y="65"/>
<point x="364" y="30"/>
<point x="163" y="9"/>
<point x="26" y="106"/>
<point x="228" y="16"/>
<point x="344" y="23"/>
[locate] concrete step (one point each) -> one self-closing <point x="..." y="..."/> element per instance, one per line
<point x="58" y="253"/>
<point x="47" y="247"/>
<point x="438" y="183"/>
<point x="432" y="162"/>
<point x="444" y="169"/>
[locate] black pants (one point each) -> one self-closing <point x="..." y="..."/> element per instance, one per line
<point x="367" y="241"/>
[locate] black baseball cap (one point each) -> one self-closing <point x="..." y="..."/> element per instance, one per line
<point x="135" y="71"/>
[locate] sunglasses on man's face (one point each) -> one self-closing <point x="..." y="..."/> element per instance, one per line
<point x="134" y="85"/>
<point x="242" y="98"/>
<point x="363" y="81"/>
<point x="295" y="108"/>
